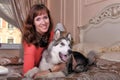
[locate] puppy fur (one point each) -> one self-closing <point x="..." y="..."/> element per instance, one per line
<point x="79" y="63"/>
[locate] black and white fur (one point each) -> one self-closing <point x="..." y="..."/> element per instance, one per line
<point x="57" y="51"/>
<point x="77" y="62"/>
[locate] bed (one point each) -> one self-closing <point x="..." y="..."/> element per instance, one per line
<point x="102" y="33"/>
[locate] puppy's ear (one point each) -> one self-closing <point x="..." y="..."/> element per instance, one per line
<point x="70" y="39"/>
<point x="69" y="36"/>
<point x="57" y="34"/>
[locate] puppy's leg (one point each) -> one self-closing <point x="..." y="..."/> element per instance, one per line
<point x="80" y="68"/>
<point x="70" y="65"/>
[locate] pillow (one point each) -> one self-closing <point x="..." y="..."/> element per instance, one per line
<point x="87" y="47"/>
<point x="110" y="49"/>
<point x="111" y="56"/>
<point x="79" y="47"/>
<point x="10" y="60"/>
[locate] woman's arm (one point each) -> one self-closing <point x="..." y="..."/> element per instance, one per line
<point x="56" y="68"/>
<point x="29" y="61"/>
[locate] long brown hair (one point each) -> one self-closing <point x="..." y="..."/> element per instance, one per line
<point x="30" y="35"/>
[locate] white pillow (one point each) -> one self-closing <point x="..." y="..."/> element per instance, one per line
<point x="111" y="56"/>
<point x="3" y="70"/>
<point x="87" y="47"/>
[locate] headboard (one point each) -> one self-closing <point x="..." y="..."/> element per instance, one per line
<point x="102" y="32"/>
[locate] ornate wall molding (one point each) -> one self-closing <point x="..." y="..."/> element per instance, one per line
<point x="110" y="12"/>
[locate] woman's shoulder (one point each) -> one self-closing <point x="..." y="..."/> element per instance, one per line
<point x="28" y="45"/>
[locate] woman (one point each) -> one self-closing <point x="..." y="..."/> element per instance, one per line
<point x="38" y="32"/>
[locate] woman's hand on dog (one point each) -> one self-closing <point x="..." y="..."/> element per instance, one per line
<point x="40" y="74"/>
<point x="58" y="67"/>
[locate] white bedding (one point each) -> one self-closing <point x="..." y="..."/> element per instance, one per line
<point x="3" y="70"/>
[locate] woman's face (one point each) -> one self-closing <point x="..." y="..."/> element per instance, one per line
<point x="42" y="23"/>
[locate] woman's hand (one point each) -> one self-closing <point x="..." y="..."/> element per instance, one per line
<point x="40" y="74"/>
<point x="58" y="67"/>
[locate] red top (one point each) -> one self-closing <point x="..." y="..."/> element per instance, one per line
<point x="32" y="55"/>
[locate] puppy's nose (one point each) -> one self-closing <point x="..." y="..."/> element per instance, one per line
<point x="69" y="51"/>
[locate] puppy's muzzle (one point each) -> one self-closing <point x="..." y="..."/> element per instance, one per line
<point x="70" y="51"/>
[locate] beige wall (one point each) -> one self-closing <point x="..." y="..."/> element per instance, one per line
<point x="66" y="12"/>
<point x="76" y="13"/>
<point x="54" y="6"/>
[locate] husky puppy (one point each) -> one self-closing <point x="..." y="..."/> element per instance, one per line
<point x="57" y="51"/>
<point x="77" y="62"/>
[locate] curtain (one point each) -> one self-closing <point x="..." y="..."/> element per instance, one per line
<point x="15" y="11"/>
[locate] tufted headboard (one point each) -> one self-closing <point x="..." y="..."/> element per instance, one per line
<point x="102" y="33"/>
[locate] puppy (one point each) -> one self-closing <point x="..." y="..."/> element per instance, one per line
<point x="77" y="62"/>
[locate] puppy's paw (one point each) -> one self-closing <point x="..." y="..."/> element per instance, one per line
<point x="32" y="72"/>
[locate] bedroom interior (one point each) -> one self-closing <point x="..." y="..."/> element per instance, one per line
<point x="96" y="30"/>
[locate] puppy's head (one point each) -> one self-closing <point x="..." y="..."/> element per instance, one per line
<point x="77" y="62"/>
<point x="59" y="48"/>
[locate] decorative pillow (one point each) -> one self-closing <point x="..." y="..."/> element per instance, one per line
<point x="10" y="60"/>
<point x="3" y="70"/>
<point x="80" y="48"/>
<point x="115" y="48"/>
<point x="86" y="48"/>
<point x="111" y="56"/>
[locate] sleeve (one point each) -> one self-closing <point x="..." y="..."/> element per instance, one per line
<point x="29" y="59"/>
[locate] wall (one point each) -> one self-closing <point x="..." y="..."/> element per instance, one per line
<point x="68" y="13"/>
<point x="55" y="10"/>
<point x="76" y="13"/>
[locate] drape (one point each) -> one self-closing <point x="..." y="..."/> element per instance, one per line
<point x="15" y="11"/>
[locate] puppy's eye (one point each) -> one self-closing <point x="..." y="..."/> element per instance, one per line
<point x="62" y="44"/>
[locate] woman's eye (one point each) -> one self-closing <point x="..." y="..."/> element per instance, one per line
<point x="45" y="17"/>
<point x="38" y="19"/>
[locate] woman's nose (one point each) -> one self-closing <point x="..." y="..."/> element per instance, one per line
<point x="42" y="21"/>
